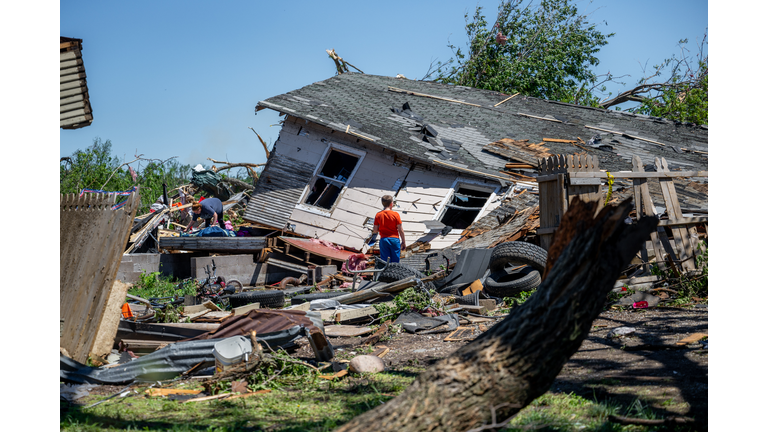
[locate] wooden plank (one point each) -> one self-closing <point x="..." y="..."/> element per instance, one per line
<point x="692" y="338"/>
<point x="585" y="181"/>
<point x="567" y="141"/>
<point x="350" y="314"/>
<point x="648" y="209"/>
<point x="681" y="235"/>
<point x="244" y="309"/>
<point x="188" y="310"/>
<point x="473" y="172"/>
<point x="69" y="55"/>
<point x="73" y="63"/>
<point x="92" y="240"/>
<point x="343" y="330"/>
<point x="643" y="174"/>
<point x="685" y="221"/>
<point x="460" y="334"/>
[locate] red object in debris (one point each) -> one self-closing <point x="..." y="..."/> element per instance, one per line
<point x="640" y="305"/>
<point x="127" y="312"/>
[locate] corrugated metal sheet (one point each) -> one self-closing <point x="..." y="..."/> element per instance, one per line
<point x="75" y="106"/>
<point x="165" y="363"/>
<point x="278" y="190"/>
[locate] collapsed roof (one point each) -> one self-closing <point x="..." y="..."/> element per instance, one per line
<point x="455" y="125"/>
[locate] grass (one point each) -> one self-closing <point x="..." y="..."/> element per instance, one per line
<point x="320" y="405"/>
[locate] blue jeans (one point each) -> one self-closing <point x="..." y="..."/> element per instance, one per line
<point x="389" y="247"/>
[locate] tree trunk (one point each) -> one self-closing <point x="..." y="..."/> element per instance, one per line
<point x="517" y="360"/>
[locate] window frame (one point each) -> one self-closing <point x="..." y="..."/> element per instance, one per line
<point x="468" y="183"/>
<point x="331" y="146"/>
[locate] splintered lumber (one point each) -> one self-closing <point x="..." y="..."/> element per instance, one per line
<point x="498" y="374"/>
<point x="460" y="334"/>
<point x="566" y="141"/>
<point x="343" y="330"/>
<point x="692" y="338"/>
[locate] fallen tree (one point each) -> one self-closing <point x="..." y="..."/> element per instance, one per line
<point x="516" y="361"/>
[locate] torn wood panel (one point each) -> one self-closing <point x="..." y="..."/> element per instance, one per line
<point x="519" y="150"/>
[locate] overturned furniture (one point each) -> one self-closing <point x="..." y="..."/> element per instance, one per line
<point x="562" y="178"/>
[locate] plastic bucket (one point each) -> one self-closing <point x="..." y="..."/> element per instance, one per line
<point x="231" y="351"/>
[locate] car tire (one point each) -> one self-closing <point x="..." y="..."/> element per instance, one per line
<point x="517" y="253"/>
<point x="503" y="284"/>
<point x="266" y="299"/>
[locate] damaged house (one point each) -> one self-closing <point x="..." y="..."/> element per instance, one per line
<point x="448" y="154"/>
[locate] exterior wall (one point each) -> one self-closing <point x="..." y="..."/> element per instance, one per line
<point x="424" y="197"/>
<point x="421" y="194"/>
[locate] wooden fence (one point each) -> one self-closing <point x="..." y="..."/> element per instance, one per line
<point x="91" y="242"/>
<point x="562" y="178"/>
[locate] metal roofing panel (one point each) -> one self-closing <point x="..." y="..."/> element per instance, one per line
<point x="279" y="190"/>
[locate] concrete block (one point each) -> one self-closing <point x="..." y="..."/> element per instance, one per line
<point x="321" y="272"/>
<point x="240" y="267"/>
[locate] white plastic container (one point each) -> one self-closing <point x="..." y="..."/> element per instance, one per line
<point x="231" y="351"/>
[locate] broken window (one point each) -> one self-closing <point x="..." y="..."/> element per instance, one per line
<point x="331" y="179"/>
<point x="464" y="206"/>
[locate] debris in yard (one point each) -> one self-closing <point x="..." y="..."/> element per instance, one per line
<point x="168" y="391"/>
<point x="338" y="374"/>
<point x="460" y="334"/>
<point x="650" y="300"/>
<point x="343" y="330"/>
<point x="414" y="322"/>
<point x="277" y="328"/>
<point x="692" y="338"/>
<point x="381" y="351"/>
<point x="621" y="331"/>
<point x="366" y="364"/>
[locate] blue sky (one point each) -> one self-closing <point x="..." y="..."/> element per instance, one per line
<point x="182" y="79"/>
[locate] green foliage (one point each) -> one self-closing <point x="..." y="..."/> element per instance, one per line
<point x="548" y="53"/>
<point x="154" y="285"/>
<point x="518" y="299"/>
<point x="169" y="314"/>
<point x="692" y="284"/>
<point x="410" y="299"/>
<point x="279" y="369"/>
<point x="96" y="168"/>
<point x="684" y="96"/>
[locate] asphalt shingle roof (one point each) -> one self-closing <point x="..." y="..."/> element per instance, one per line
<point x="438" y="129"/>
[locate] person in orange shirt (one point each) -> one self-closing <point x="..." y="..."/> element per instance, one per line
<point x="387" y="223"/>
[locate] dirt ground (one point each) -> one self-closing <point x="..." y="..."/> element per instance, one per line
<point x="646" y="366"/>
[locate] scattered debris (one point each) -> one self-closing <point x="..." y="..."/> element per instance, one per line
<point x="621" y="332"/>
<point x="366" y="364"/>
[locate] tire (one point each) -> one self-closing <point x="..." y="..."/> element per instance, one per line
<point x="397" y="271"/>
<point x="305" y="298"/>
<point x="266" y="299"/>
<point x="234" y="286"/>
<point x="516" y="253"/>
<point x="502" y="284"/>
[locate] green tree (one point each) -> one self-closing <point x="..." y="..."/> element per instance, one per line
<point x="547" y="52"/>
<point x="684" y="94"/>
<point x="92" y="168"/>
<point x="96" y="168"/>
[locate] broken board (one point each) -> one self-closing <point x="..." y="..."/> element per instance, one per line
<point x="460" y="334"/>
<point x="314" y="248"/>
<point x="342" y="330"/>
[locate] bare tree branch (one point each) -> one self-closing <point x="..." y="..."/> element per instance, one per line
<point x="266" y="150"/>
